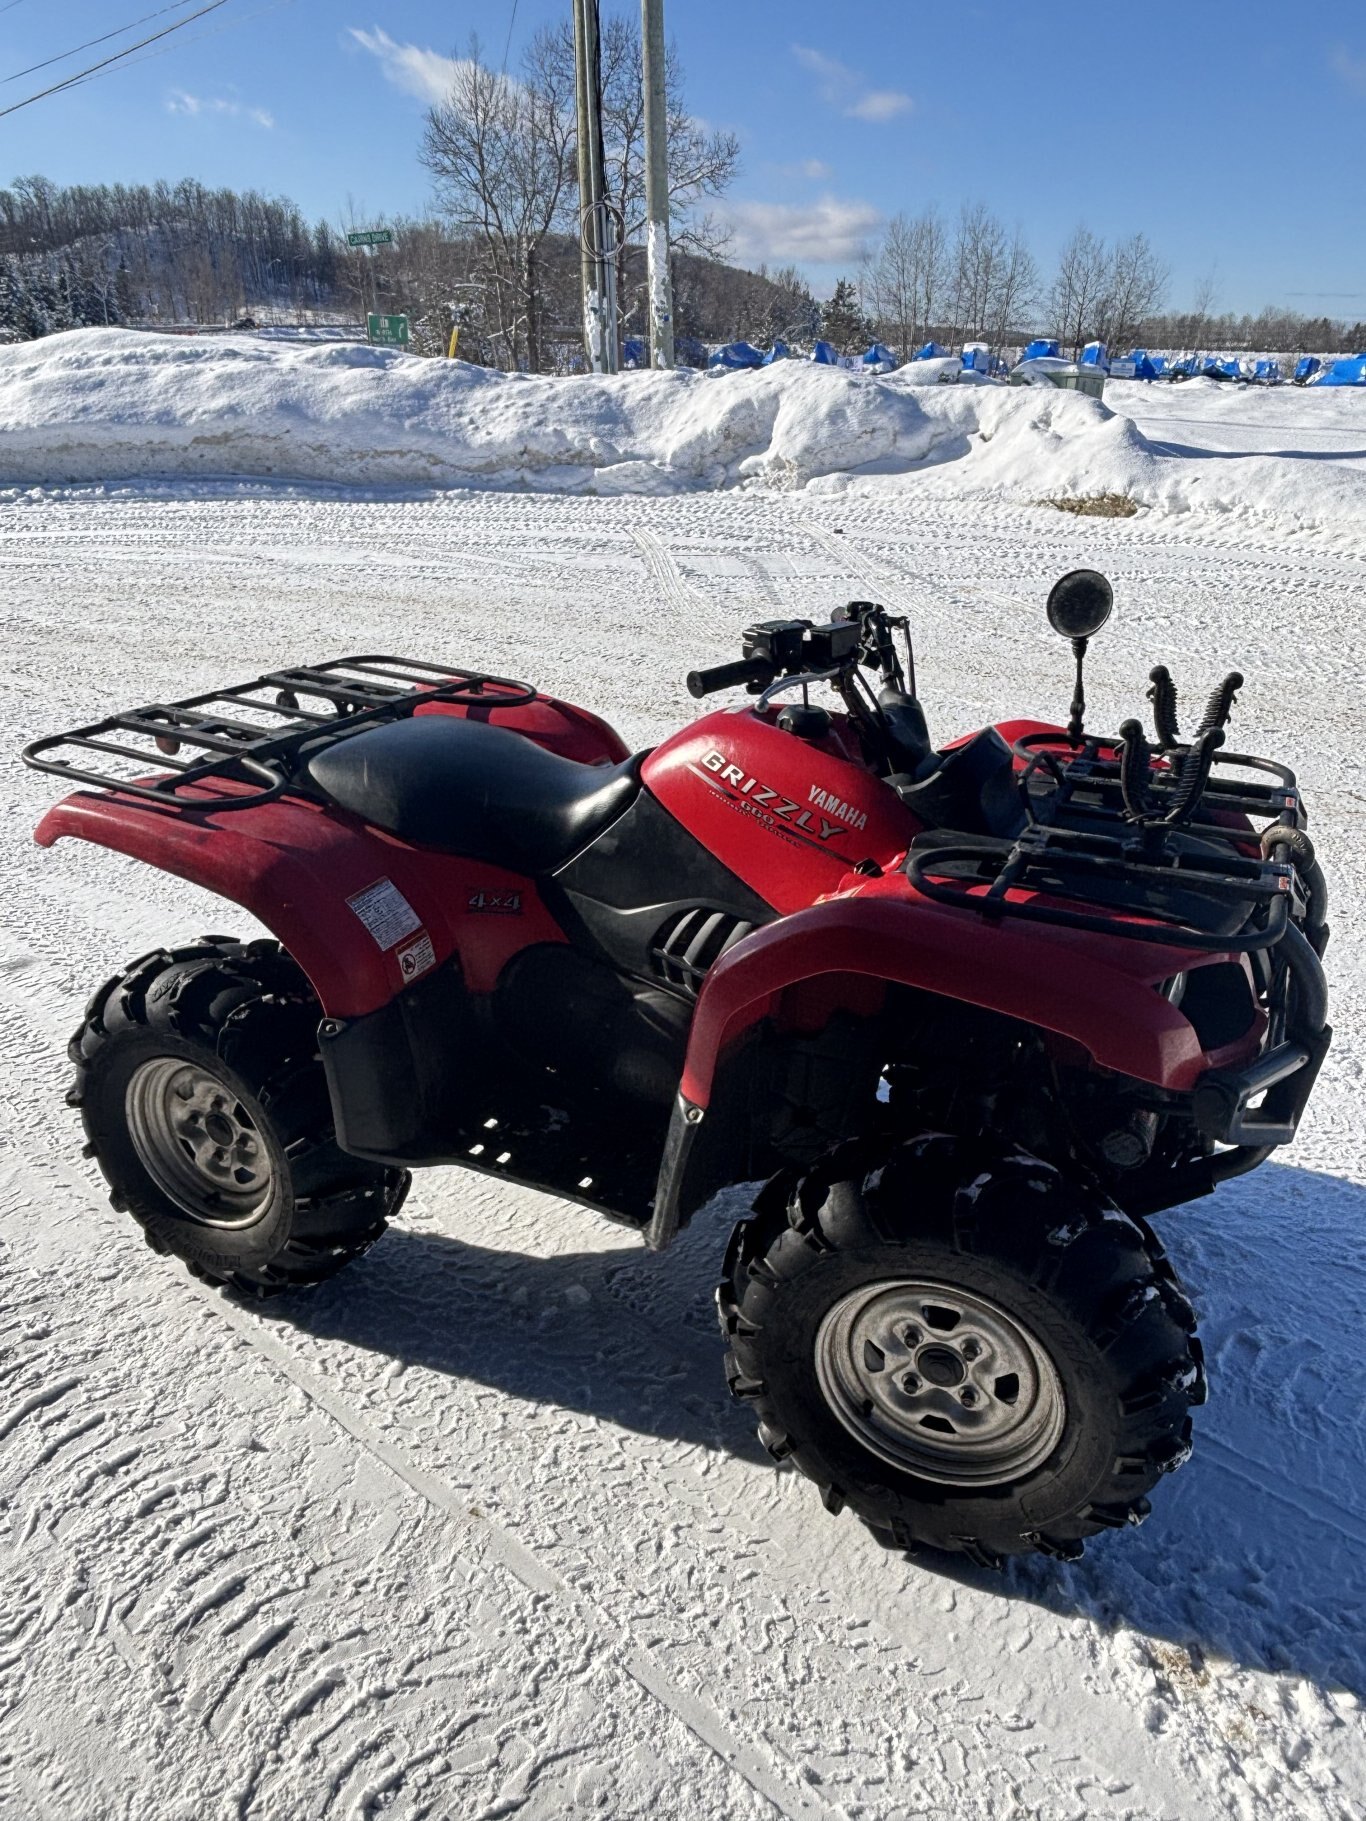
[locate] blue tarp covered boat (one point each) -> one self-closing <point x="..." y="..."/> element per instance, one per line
<point x="879" y="358"/>
<point x="736" y="354"/>
<point x="1348" y="372"/>
<point x="931" y="351"/>
<point x="1139" y="364"/>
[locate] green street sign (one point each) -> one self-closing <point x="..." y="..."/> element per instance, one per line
<point x="388" y="331"/>
<point x="371" y="237"/>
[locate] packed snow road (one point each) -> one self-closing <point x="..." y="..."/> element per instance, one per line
<point x="474" y="1531"/>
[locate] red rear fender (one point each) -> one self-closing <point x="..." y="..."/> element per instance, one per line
<point x="361" y="912"/>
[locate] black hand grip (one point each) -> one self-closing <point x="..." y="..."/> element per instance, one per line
<point x="1192" y="774"/>
<point x="1134" y="762"/>
<point x="1220" y="704"/>
<point x="1162" y="695"/>
<point x="728" y="676"/>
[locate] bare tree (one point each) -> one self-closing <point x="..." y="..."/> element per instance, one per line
<point x="978" y="252"/>
<point x="1014" y="291"/>
<point x="903" y="283"/>
<point x="1135" y="287"/>
<point x="702" y="163"/>
<point x="1079" y="288"/>
<point x="502" y="151"/>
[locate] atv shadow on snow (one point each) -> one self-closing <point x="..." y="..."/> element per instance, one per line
<point x="1254" y="1552"/>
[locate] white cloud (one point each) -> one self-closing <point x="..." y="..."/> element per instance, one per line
<point x="1351" y="69"/>
<point x="813" y="168"/>
<point x="181" y="101"/>
<point x="410" y="67"/>
<point x="847" y="90"/>
<point x="879" y="104"/>
<point x="830" y="231"/>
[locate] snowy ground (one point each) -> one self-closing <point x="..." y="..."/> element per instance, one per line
<point x="101" y="403"/>
<point x="475" y="1531"/>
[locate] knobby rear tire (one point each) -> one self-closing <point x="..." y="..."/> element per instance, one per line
<point x="243" y="1014"/>
<point x="1091" y="1284"/>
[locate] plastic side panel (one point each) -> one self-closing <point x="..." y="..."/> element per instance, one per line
<point x="298" y="866"/>
<point x="1084" y="990"/>
<point x="574" y="733"/>
<point x="790" y="817"/>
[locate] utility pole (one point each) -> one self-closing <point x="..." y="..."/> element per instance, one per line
<point x="657" y="184"/>
<point x="597" y="230"/>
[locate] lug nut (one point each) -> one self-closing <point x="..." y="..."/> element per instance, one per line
<point x="911" y="1336"/>
<point x="910" y="1382"/>
<point x="967" y="1396"/>
<point x="971" y="1349"/>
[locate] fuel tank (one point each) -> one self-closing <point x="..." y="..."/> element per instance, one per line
<point x="789" y="816"/>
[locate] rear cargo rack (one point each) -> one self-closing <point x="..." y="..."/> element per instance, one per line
<point x="251" y="733"/>
<point x="1083" y="862"/>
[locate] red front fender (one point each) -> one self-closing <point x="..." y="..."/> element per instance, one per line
<point x="298" y="866"/>
<point x="1100" y="992"/>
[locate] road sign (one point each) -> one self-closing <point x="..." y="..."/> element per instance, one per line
<point x="371" y="237"/>
<point x="388" y="331"/>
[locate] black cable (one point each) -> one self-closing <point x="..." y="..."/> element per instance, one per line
<point x="117" y="57"/>
<point x="508" y="44"/>
<point x="212" y="31"/>
<point x="102" y="39"/>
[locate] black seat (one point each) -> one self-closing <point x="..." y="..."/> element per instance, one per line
<point x="464" y="787"/>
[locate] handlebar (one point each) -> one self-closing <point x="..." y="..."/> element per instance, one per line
<point x="728" y="676"/>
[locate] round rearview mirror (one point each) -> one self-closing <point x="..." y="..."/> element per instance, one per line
<point x="1079" y="603"/>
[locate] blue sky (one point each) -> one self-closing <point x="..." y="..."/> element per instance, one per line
<point x="1237" y="142"/>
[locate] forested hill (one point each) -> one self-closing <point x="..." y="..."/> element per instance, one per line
<point x="159" y="252"/>
<point x="183" y="254"/>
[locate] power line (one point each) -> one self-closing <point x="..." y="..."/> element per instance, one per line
<point x="117" y="57"/>
<point x="507" y="46"/>
<point x="102" y="39"/>
<point x="212" y="31"/>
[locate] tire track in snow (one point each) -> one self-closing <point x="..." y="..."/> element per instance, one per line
<point x="774" y="1537"/>
<point x="491" y="1540"/>
<point x="483" y="1541"/>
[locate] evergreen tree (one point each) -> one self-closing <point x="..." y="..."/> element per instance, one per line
<point x="843" y="323"/>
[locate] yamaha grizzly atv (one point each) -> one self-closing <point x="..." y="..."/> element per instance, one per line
<point x="973" y="1014"/>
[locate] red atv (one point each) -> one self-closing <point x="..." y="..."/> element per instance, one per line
<point x="973" y="1013"/>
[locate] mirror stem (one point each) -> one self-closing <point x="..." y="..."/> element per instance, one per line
<point x="1074" y="726"/>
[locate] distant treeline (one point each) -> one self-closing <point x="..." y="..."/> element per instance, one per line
<point x="1269" y="332"/>
<point x="144" y="255"/>
<point x="97" y="253"/>
<point x="164" y="254"/>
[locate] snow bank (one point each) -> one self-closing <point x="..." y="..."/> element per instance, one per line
<point x="111" y="404"/>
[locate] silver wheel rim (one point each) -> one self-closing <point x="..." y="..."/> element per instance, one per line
<point x="940" y="1381"/>
<point x="198" y="1142"/>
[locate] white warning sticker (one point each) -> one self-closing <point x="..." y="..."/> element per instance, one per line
<point x="385" y="912"/>
<point x="416" y="957"/>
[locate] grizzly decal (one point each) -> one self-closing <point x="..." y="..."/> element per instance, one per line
<point x="784" y="807"/>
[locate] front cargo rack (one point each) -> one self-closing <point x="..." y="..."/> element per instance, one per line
<point x="1084" y="860"/>
<point x="252" y="732"/>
